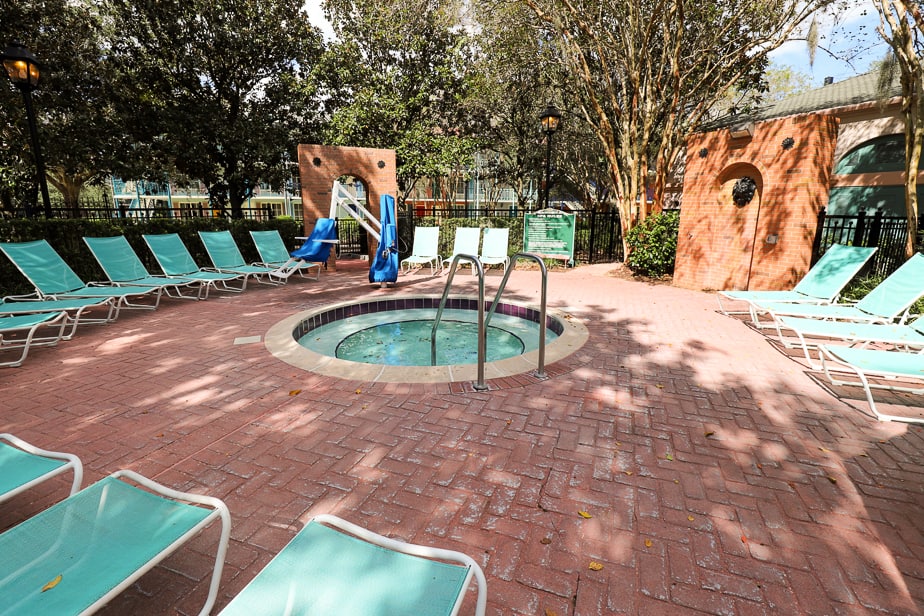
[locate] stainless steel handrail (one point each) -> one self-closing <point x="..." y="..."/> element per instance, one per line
<point x="540" y="371"/>
<point x="482" y="339"/>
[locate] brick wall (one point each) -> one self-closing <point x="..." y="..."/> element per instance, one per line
<point x="766" y="244"/>
<point x="320" y="165"/>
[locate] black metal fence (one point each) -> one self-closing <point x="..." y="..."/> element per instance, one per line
<point x="889" y="233"/>
<point x="597" y="235"/>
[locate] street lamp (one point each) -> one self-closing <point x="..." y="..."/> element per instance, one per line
<point x="24" y="70"/>
<point x="550" y="119"/>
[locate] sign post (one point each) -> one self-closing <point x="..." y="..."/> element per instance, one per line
<point x="550" y="234"/>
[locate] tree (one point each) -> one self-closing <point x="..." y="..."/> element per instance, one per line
<point x="396" y="79"/>
<point x="77" y="124"/>
<point x="514" y="77"/>
<point x="902" y="26"/>
<point x="646" y="72"/>
<point x="223" y="88"/>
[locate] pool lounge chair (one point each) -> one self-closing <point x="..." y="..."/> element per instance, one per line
<point x="465" y="242"/>
<point x="273" y="253"/>
<point x="226" y="257"/>
<point x="23" y="466"/>
<point x="54" y="279"/>
<point x="76" y="308"/>
<point x="494" y="247"/>
<point x="889" y="301"/>
<point x="334" y="567"/>
<point x="176" y="262"/>
<point x="875" y="369"/>
<point x="77" y="555"/>
<point x="30" y="324"/>
<point x="122" y="266"/>
<point x="821" y="285"/>
<point x="425" y="250"/>
<point x="858" y="335"/>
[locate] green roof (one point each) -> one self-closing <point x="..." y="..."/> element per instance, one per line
<point x="854" y="91"/>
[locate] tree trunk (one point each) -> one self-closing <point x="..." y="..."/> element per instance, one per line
<point x="70" y="187"/>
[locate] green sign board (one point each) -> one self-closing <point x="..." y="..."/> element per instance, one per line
<point x="549" y="233"/>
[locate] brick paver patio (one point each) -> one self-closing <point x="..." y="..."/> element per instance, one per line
<point x="719" y="476"/>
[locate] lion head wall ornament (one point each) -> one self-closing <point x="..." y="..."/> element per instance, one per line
<point x="743" y="191"/>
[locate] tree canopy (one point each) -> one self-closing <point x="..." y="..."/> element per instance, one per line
<point x="77" y="126"/>
<point x="396" y="78"/>
<point x="222" y="90"/>
<point x="644" y="73"/>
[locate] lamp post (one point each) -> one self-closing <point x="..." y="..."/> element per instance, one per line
<point x="550" y="119"/>
<point x="24" y="70"/>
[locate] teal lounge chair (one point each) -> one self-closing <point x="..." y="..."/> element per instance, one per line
<point x="334" y="567"/>
<point x="76" y="309"/>
<point x="75" y="556"/>
<point x="854" y="334"/>
<point x="273" y="253"/>
<point x="494" y="245"/>
<point x="12" y="329"/>
<point x="122" y="266"/>
<point x="875" y="369"/>
<point x="227" y="258"/>
<point x="821" y="285"/>
<point x="425" y="250"/>
<point x="890" y="300"/>
<point x="176" y="262"/>
<point x="23" y="466"/>
<point x="54" y="279"/>
<point x="465" y="242"/>
<point x="25" y="327"/>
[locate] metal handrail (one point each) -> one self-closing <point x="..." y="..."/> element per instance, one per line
<point x="483" y="321"/>
<point x="482" y="338"/>
<point x="540" y="371"/>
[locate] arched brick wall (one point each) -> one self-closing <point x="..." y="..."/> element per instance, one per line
<point x="320" y="165"/>
<point x="766" y="244"/>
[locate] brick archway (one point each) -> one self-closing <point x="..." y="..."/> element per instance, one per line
<point x="320" y="165"/>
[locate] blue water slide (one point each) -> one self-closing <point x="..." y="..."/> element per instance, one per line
<point x="385" y="262"/>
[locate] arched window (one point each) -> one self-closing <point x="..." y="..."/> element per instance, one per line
<point x="874" y="156"/>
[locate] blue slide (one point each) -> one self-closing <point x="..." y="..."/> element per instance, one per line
<point x="385" y="263"/>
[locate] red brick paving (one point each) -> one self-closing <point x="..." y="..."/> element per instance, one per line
<point x="720" y="477"/>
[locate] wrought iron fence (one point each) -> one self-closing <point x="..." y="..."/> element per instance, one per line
<point x="597" y="235"/>
<point x="888" y="233"/>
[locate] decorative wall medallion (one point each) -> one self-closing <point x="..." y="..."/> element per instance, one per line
<point x="743" y="191"/>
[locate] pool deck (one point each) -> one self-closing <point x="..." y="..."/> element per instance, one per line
<point x="716" y="474"/>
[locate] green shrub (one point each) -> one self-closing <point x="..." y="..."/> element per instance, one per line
<point x="653" y="245"/>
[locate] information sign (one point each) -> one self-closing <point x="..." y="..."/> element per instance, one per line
<point x="550" y="234"/>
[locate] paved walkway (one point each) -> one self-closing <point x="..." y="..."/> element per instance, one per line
<point x="718" y="476"/>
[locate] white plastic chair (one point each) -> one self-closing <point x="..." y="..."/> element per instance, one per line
<point x="494" y="247"/>
<point x="465" y="243"/>
<point x="425" y="250"/>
